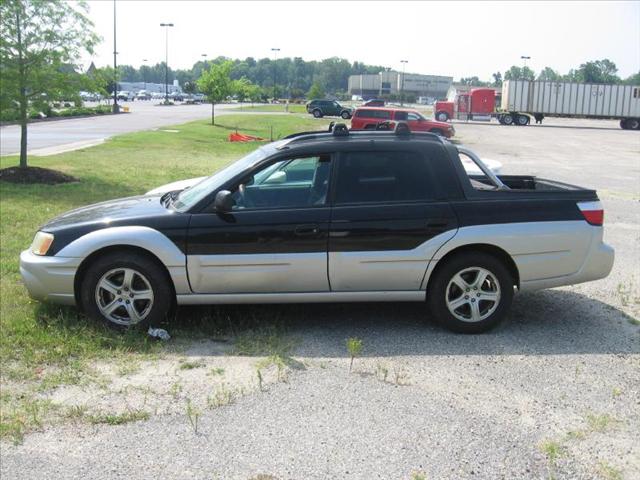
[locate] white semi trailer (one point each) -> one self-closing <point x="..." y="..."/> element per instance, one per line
<point x="521" y="98"/>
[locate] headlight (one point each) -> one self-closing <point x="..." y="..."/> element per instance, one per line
<point x="41" y="243"/>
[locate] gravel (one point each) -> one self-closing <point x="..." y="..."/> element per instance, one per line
<point x="563" y="371"/>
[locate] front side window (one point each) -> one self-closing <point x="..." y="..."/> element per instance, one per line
<point x="414" y="116"/>
<point x="288" y="183"/>
<point x="380" y="177"/>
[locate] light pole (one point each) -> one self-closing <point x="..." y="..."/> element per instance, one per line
<point x="404" y="63"/>
<point x="166" y="61"/>
<point x="275" y="58"/>
<point x="116" y="108"/>
<point x="144" y="74"/>
<point x="525" y="58"/>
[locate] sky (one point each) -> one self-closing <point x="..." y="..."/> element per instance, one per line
<point x="458" y="39"/>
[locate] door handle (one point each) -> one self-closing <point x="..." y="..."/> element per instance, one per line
<point x="306" y="230"/>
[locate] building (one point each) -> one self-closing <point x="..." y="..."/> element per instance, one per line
<point x="390" y="83"/>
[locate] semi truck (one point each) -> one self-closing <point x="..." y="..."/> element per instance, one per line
<point x="522" y="99"/>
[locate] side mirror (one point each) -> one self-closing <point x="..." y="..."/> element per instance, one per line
<point x="224" y="201"/>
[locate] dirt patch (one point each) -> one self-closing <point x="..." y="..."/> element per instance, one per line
<point x="35" y="175"/>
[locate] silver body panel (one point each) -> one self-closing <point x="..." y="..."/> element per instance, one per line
<point x="258" y="273"/>
<point x="308" y="297"/>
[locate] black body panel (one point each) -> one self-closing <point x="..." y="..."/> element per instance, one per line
<point x="299" y="230"/>
<point x="145" y="211"/>
<point x="388" y="227"/>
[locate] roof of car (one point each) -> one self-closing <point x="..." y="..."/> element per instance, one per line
<point x="395" y="109"/>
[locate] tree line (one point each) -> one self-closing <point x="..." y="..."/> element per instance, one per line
<point x="595" y="71"/>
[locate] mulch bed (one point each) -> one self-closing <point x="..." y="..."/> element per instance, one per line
<point x="35" y="175"/>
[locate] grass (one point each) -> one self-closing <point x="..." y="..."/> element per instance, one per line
<point x="118" y="418"/>
<point x="354" y="348"/>
<point x="608" y="472"/>
<point x="293" y="108"/>
<point x="190" y="365"/>
<point x="39" y="337"/>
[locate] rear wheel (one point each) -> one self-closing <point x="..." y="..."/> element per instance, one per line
<point x="126" y="290"/>
<point x="471" y="292"/>
<point x="507" y="119"/>
<point x="346" y="115"/>
<point x="522" y="120"/>
<point x="632" y="124"/>
<point x="317" y="113"/>
<point x="442" y="116"/>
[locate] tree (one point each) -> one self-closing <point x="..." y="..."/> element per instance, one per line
<point x="473" y="81"/>
<point x="40" y="40"/>
<point x="189" y="87"/>
<point x="216" y="84"/>
<point x="519" y="73"/>
<point x="497" y="79"/>
<point x="316" y="91"/>
<point x="548" y="74"/>
<point x="598" y="71"/>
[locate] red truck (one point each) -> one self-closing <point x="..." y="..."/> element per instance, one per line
<point x="367" y="118"/>
<point x="476" y="104"/>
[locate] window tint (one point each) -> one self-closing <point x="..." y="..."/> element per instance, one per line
<point x="382" y="177"/>
<point x="383" y="114"/>
<point x="401" y="116"/>
<point x="293" y="182"/>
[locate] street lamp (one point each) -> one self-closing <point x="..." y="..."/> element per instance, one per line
<point x="525" y="58"/>
<point x="275" y="57"/>
<point x="116" y="108"/>
<point x="166" y="61"/>
<point x="144" y="74"/>
<point x="404" y="63"/>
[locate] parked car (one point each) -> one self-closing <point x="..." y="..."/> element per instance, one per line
<point x="374" y="102"/>
<point x="368" y="119"/>
<point x="326" y="217"/>
<point x="143" y="95"/>
<point x="126" y="96"/>
<point x="328" y="108"/>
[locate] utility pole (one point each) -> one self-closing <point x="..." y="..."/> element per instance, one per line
<point x="404" y="63"/>
<point x="166" y="61"/>
<point x="116" y="107"/>
<point x="144" y="75"/>
<point x="525" y="58"/>
<point x="275" y="58"/>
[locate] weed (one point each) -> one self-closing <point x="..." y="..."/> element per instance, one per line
<point x="277" y="361"/>
<point x="354" y="348"/>
<point x="616" y="392"/>
<point x="608" y="472"/>
<point x="75" y="412"/>
<point x="128" y="366"/>
<point x="599" y="423"/>
<point x="193" y="414"/>
<point x="222" y="396"/>
<point x="216" y="371"/>
<point x="175" y="390"/>
<point x="187" y="365"/>
<point x="418" y="476"/>
<point x="576" y="435"/>
<point x="553" y="451"/>
<point x="118" y="418"/>
<point x="382" y="372"/>
<point x="401" y="376"/>
<point x="260" y="379"/>
<point x="21" y="415"/>
<point x="269" y="340"/>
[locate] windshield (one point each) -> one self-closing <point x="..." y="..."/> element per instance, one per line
<point x="192" y="195"/>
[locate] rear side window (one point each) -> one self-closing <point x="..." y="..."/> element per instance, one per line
<point x="380" y="177"/>
<point x="378" y="114"/>
<point x="401" y="116"/>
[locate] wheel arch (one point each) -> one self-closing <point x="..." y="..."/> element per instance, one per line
<point x="493" y="250"/>
<point x="121" y="248"/>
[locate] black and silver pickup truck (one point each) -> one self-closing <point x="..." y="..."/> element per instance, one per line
<point x="332" y="216"/>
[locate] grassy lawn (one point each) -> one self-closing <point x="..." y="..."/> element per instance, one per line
<point x="274" y="108"/>
<point x="47" y="345"/>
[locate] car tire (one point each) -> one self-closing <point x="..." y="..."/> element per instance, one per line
<point x="471" y="292"/>
<point x="522" y="120"/>
<point x="345" y="115"/>
<point x="124" y="290"/>
<point x="442" y="116"/>
<point x="317" y="113"/>
<point x="507" y="119"/>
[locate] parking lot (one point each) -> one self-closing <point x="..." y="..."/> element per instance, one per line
<point x="552" y="393"/>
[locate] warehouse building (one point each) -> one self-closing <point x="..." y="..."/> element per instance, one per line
<point x="390" y="83"/>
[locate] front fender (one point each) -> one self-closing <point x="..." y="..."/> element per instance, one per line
<point x="145" y="238"/>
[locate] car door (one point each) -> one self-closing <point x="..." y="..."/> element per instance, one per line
<point x="416" y="122"/>
<point x="274" y="240"/>
<point x="388" y="220"/>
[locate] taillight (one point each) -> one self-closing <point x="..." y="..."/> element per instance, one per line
<point x="592" y="212"/>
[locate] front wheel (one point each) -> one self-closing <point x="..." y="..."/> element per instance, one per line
<point x="126" y="290"/>
<point x="317" y="113"/>
<point x="632" y="124"/>
<point x="442" y="116"/>
<point x="346" y="115"/>
<point x="471" y="292"/>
